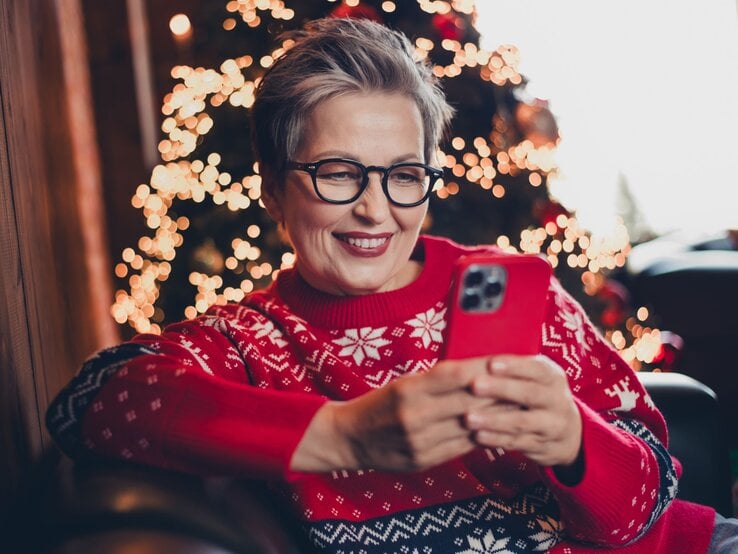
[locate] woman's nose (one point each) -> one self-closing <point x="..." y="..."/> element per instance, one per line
<point x="373" y="204"/>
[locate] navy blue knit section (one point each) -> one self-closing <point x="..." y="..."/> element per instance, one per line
<point x="526" y="523"/>
<point x="668" y="480"/>
<point x="64" y="416"/>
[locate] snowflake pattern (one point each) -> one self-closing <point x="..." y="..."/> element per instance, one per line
<point x="487" y="544"/>
<point x="362" y="343"/>
<point x="268" y="330"/>
<point x="483" y="524"/>
<point x="428" y="326"/>
<point x="550" y="534"/>
<point x="574" y="322"/>
<point x="299" y="326"/>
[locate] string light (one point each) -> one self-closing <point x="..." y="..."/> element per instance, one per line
<point x="463" y="6"/>
<point x="180" y="25"/>
<point x="249" y="10"/>
<point x="434" y="6"/>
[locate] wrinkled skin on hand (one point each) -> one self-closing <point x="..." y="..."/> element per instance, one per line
<point x="418" y="421"/>
<point x="546" y="425"/>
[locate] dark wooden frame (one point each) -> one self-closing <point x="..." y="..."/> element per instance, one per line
<point x="55" y="285"/>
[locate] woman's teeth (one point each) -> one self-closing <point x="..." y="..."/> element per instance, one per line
<point x="365" y="243"/>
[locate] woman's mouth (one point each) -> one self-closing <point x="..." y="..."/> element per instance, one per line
<point x="364" y="245"/>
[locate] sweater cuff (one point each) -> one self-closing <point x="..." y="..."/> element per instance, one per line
<point x="609" y="494"/>
<point x="239" y="430"/>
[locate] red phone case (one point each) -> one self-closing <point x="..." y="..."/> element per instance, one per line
<point x="505" y="323"/>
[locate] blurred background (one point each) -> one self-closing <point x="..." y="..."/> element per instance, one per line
<point x="602" y="137"/>
<point x="645" y="98"/>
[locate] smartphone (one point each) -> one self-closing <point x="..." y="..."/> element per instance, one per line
<point x="496" y="305"/>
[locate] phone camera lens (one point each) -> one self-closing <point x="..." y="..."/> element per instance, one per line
<point x="470" y="301"/>
<point x="492" y="288"/>
<point x="474" y="278"/>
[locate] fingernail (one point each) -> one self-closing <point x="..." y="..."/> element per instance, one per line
<point x="497" y="365"/>
<point x="481" y="385"/>
<point x="473" y="420"/>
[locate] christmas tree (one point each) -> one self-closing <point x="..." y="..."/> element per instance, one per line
<point x="211" y="241"/>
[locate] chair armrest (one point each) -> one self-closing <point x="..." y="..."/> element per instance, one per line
<point x="696" y="437"/>
<point x="692" y="292"/>
<point x="113" y="507"/>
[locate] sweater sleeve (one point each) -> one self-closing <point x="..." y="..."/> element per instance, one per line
<point x="629" y="477"/>
<point x="181" y="401"/>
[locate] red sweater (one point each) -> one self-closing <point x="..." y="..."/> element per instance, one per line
<point x="232" y="392"/>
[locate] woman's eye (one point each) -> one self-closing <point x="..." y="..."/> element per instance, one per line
<point x="405" y="178"/>
<point x="337" y="176"/>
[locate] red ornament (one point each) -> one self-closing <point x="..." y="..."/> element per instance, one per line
<point x="356" y="12"/>
<point x="616" y="300"/>
<point x="669" y="351"/>
<point x="448" y="26"/>
<point x="612" y="317"/>
<point x="551" y="210"/>
<point x="615" y="292"/>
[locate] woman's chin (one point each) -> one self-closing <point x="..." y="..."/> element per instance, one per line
<point x="374" y="282"/>
<point x="363" y="287"/>
<point x="350" y="280"/>
<point x="354" y="285"/>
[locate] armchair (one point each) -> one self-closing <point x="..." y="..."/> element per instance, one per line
<point x="116" y="508"/>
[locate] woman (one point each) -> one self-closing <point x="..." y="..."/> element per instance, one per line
<point x="328" y="383"/>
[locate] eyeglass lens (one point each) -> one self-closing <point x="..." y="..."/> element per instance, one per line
<point x="343" y="180"/>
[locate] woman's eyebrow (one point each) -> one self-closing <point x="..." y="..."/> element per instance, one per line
<point x="350" y="156"/>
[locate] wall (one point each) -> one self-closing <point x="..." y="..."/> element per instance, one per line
<point x="52" y="242"/>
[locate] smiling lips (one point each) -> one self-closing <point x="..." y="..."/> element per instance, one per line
<point x="364" y="244"/>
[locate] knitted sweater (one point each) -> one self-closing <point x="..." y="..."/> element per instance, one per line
<point x="233" y="391"/>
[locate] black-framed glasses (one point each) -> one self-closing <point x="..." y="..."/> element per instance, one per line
<point x="342" y="181"/>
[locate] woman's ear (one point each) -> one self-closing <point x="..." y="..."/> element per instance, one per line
<point x="270" y="193"/>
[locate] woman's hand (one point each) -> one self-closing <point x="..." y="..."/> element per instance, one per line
<point x="413" y="423"/>
<point x="533" y="410"/>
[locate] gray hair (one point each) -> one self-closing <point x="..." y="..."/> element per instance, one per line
<point x="336" y="56"/>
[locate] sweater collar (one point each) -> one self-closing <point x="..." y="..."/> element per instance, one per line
<point x="336" y="312"/>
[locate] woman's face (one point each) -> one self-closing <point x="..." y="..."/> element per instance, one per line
<point x="362" y="247"/>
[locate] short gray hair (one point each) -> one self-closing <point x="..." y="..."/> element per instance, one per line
<point x="336" y="56"/>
